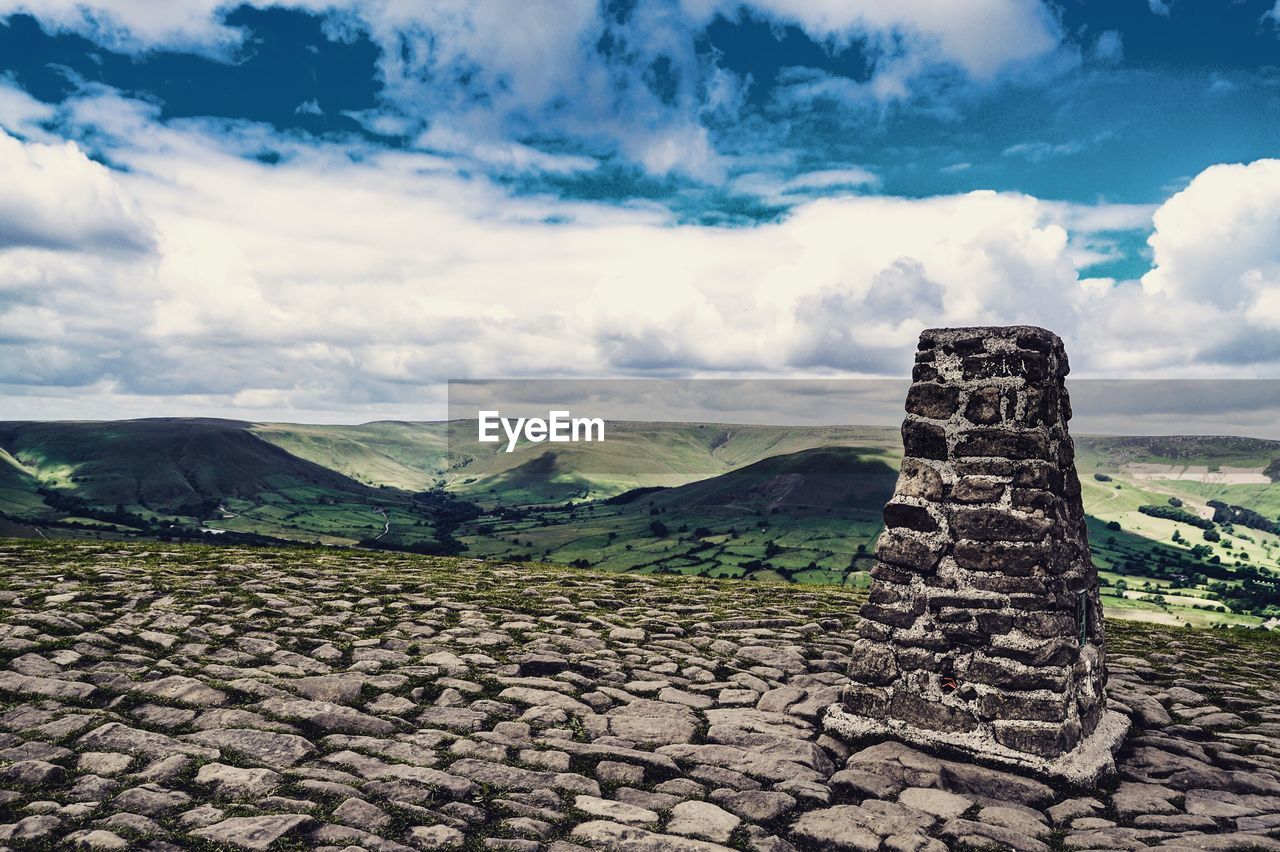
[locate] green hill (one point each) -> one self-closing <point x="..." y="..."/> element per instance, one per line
<point x="196" y="478"/>
<point x="804" y="516"/>
<point x="1186" y="450"/>
<point x="343" y="484"/>
<point x="1158" y="568"/>
<point x="821" y="480"/>
<point x="1120" y="474"/>
<point x="634" y="455"/>
<point x="163" y="465"/>
<point x="1181" y="526"/>
<point x="409" y="456"/>
<point x="418" y="456"/>
<point x="18" y="488"/>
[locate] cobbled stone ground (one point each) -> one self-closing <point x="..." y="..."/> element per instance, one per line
<point x="215" y="698"/>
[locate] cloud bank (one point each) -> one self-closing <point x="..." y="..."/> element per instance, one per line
<point x="346" y="283"/>
<point x="493" y="81"/>
<point x="153" y="263"/>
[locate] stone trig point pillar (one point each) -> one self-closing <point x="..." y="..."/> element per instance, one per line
<point x="983" y="632"/>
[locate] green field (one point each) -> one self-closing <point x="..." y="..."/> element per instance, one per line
<point x="761" y="503"/>
<point x="809" y="516"/>
<point x="1172" y="572"/>
<point x="407" y="456"/>
<point x="213" y="480"/>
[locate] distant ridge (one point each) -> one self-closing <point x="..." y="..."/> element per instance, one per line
<point x="821" y="478"/>
<point x="162" y="464"/>
<point x="771" y="503"/>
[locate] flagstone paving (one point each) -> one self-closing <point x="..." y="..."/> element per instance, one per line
<point x="174" y="698"/>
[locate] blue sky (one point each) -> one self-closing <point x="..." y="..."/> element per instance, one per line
<point x="1128" y="105"/>
<point x="322" y="210"/>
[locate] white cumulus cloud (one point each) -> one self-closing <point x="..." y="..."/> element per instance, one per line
<point x="135" y="25"/>
<point x="53" y="196"/>
<point x="330" y="281"/>
<point x="1216" y="248"/>
<point x="474" y="78"/>
<point x="1218" y="240"/>
<point x="983" y="37"/>
<point x="349" y="282"/>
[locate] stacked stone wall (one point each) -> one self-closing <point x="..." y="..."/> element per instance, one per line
<point x="983" y="622"/>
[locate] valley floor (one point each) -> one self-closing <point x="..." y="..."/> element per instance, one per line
<point x="157" y="697"/>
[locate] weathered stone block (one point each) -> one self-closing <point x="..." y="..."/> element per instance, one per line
<point x="961" y="636"/>
<point x="937" y="402"/>
<point x="971" y="489"/>
<point x="1059" y="651"/>
<point x="1035" y="707"/>
<point x="932" y="641"/>
<point x="885" y="594"/>
<point x="966" y="346"/>
<point x="962" y="599"/>
<point x="894" y="616"/>
<point x="1038" y="474"/>
<point x="1009" y="584"/>
<point x="1004" y="443"/>
<point x="1046" y="740"/>
<point x="1071" y="485"/>
<point x="1089" y="716"/>
<point x="924" y="440"/>
<point x="1048" y="624"/>
<point x="951" y="615"/>
<point x="873" y="630"/>
<point x="1015" y="559"/>
<point x="897" y="548"/>
<point x="997" y="525"/>
<point x="873" y="663"/>
<point x="1035" y="603"/>
<point x="986" y="405"/>
<point x="909" y="517"/>
<point x="1041" y="503"/>
<point x="918" y="479"/>
<point x="886" y="573"/>
<point x="866" y="701"/>
<point x="912" y="707"/>
<point x="1001" y="468"/>
<point x="1066" y="460"/>
<point x="1037" y="342"/>
<point x="994" y="622"/>
<point x="1012" y="675"/>
<point x="924" y="373"/>
<point x="916" y="659"/>
<point x="1040" y="406"/>
<point x="1032" y="367"/>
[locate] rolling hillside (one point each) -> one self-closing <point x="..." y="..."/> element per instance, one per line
<point x="803" y="516"/>
<point x="18" y="488"/>
<point x="1184" y="529"/>
<point x="1185" y="450"/>
<point x="1166" y="552"/>
<point x="851" y="480"/>
<point x="408" y="456"/>
<point x="637" y="455"/>
<point x="188" y="478"/>
<point x="162" y="465"/>
<point x="418" y="456"/>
